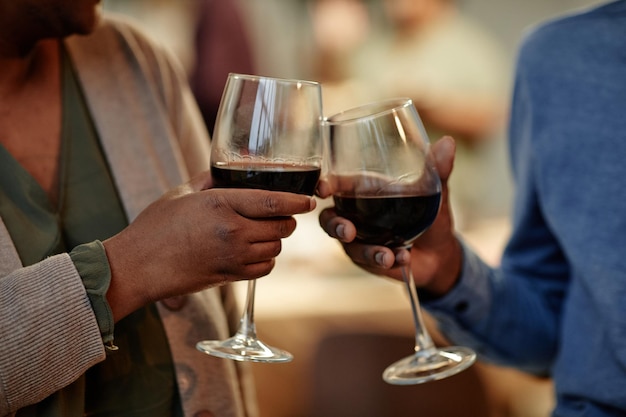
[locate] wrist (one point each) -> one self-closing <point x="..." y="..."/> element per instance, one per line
<point x="447" y="271"/>
<point x="124" y="294"/>
<point x="92" y="265"/>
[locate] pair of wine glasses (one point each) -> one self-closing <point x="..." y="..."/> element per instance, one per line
<point x="270" y="134"/>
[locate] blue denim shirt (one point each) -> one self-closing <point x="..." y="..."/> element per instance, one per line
<point x="557" y="304"/>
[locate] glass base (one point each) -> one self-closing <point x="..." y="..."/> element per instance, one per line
<point x="242" y="348"/>
<point x="429" y="365"/>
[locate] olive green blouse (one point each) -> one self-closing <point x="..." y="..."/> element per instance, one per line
<point x="138" y="379"/>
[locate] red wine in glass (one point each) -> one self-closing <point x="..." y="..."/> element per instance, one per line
<point x="393" y="221"/>
<point x="385" y="181"/>
<point x="300" y="179"/>
<point x="267" y="136"/>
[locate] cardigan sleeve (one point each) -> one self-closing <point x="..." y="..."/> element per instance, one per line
<point x="49" y="335"/>
<point x="168" y="81"/>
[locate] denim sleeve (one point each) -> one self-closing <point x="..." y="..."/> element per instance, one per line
<point x="503" y="318"/>
<point x="466" y="304"/>
<point x="93" y="267"/>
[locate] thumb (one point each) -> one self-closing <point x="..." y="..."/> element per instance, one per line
<point x="201" y="181"/>
<point x="443" y="151"/>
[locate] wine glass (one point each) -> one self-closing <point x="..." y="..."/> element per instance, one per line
<point x="385" y="182"/>
<point x="267" y="135"/>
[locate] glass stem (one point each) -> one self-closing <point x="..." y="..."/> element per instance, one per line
<point x="423" y="340"/>
<point x="247" y="327"/>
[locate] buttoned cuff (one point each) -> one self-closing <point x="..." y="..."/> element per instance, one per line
<point x="93" y="267"/>
<point x="467" y="303"/>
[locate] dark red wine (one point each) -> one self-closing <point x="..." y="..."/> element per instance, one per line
<point x="389" y="220"/>
<point x="289" y="178"/>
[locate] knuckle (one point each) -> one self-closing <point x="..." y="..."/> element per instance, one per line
<point x="368" y="254"/>
<point x="271" y="204"/>
<point x="226" y="231"/>
<point x="276" y="248"/>
<point x="215" y="201"/>
<point x="285" y="227"/>
<point x="264" y="268"/>
<point x="223" y="278"/>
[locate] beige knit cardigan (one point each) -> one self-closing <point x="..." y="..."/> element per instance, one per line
<point x="154" y="139"/>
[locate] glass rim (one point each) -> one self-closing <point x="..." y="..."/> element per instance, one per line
<point x="369" y="111"/>
<point x="255" y="77"/>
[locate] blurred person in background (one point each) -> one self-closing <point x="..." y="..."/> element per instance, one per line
<point x="338" y="29"/>
<point x="556" y="305"/>
<point x="457" y="75"/>
<point x="221" y="45"/>
<point x="110" y="271"/>
<point x="210" y="37"/>
<point x="170" y="22"/>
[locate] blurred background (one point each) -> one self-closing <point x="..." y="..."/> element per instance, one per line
<point x="455" y="59"/>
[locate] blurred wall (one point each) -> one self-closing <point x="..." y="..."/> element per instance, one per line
<point x="510" y="18"/>
<point x="281" y="31"/>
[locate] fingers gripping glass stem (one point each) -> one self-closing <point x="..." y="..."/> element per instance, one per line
<point x="267" y="135"/>
<point x="384" y="181"/>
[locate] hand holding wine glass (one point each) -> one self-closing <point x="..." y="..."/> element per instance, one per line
<point x="267" y="135"/>
<point x="384" y="181"/>
<point x="437" y="253"/>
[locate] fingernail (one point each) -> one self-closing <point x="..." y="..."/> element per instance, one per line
<point x="379" y="257"/>
<point x="340" y="230"/>
<point x="403" y="257"/>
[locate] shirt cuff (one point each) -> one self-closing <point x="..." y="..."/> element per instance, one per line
<point x="93" y="267"/>
<point x="469" y="301"/>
